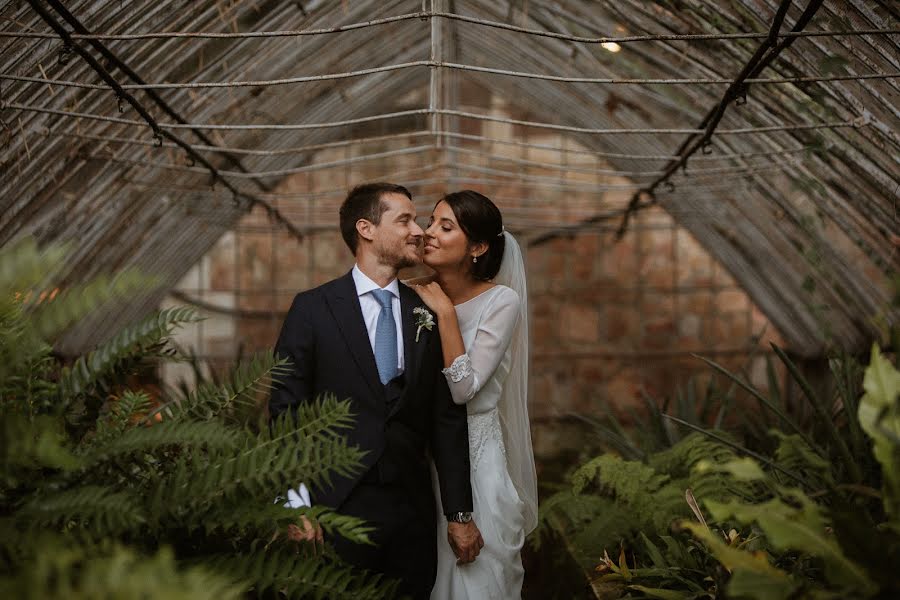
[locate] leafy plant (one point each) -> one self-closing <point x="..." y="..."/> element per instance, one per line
<point x="108" y="490"/>
<point x="813" y="513"/>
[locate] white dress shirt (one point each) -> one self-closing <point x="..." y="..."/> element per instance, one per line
<point x="371" y="308"/>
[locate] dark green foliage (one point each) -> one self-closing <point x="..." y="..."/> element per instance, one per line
<point x="132" y="342"/>
<point x="112" y="492"/>
<point x="613" y="500"/>
<point x="75" y="572"/>
<point x="810" y="510"/>
<point x="293" y="575"/>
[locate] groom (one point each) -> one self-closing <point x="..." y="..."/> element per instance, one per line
<point x="356" y="337"/>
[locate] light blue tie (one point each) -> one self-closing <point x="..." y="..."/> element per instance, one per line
<point x="385" y="337"/>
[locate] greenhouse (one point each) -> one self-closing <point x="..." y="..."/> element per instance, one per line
<point x="450" y="299"/>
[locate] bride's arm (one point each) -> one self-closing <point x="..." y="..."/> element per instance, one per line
<point x="466" y="371"/>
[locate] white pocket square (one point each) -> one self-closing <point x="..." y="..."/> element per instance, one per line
<point x="298" y="498"/>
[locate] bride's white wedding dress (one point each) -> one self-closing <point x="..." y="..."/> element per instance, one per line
<point x="491" y="378"/>
<point x="477" y="378"/>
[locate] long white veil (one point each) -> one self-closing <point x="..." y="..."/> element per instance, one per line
<point x="513" y="403"/>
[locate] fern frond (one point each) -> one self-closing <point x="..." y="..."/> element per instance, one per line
<point x="103" y="510"/>
<point x="51" y="317"/>
<point x="242" y="390"/>
<point x="324" y="417"/>
<point x="209" y="434"/>
<point x="61" y="570"/>
<point x="257" y="471"/>
<point x="679" y="460"/>
<point x="298" y="576"/>
<point x="645" y="492"/>
<point x="118" y="417"/>
<point x="794" y="455"/>
<point x="683" y="461"/>
<point x="246" y="516"/>
<point x="27" y="377"/>
<point x="604" y="470"/>
<point x="24" y="266"/>
<point x="32" y="444"/>
<point x="24" y="357"/>
<point x="129" y="342"/>
<point x="567" y="511"/>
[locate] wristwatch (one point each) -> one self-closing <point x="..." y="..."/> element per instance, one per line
<point x="459" y="517"/>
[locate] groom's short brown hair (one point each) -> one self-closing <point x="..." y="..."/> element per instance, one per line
<point x="364" y="202"/>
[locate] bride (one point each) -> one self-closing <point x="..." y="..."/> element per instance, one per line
<point x="479" y="297"/>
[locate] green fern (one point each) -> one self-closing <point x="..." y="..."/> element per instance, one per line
<point x="566" y="511"/>
<point x="97" y="508"/>
<point x="240" y="393"/>
<point x="759" y="538"/>
<point x="28" y="445"/>
<point x="648" y="495"/>
<point x="295" y="576"/>
<point x="60" y="571"/>
<point x="51" y="318"/>
<point x="793" y="454"/>
<point x="132" y="341"/>
<point x="88" y="465"/>
<point x="240" y="517"/>
<point x="24" y="266"/>
<point x="260" y="468"/>
<point x="119" y="416"/>
<point x="612" y="500"/>
<point x="162" y="435"/>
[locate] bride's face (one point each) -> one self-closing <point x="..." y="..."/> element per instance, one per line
<point x="446" y="245"/>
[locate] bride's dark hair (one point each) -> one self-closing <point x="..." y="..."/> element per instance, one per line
<point x="480" y="220"/>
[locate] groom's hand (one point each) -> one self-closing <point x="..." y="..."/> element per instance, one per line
<point x="466" y="541"/>
<point x="305" y="532"/>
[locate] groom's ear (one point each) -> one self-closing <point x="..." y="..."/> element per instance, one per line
<point x="365" y="229"/>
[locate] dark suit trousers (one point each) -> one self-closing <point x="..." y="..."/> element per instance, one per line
<point x="405" y="534"/>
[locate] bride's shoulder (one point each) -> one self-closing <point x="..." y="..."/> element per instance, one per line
<point x="505" y="295"/>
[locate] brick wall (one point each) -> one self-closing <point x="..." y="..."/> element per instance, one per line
<point x="611" y="320"/>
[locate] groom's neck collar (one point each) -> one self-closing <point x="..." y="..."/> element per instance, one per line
<point x="366" y="280"/>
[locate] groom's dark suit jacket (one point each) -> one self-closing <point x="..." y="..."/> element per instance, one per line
<point x="399" y="424"/>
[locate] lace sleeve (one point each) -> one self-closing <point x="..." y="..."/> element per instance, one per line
<point x="459" y="369"/>
<point x="469" y="372"/>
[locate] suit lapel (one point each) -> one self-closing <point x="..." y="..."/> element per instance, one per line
<point x="407" y="298"/>
<point x="418" y="346"/>
<point x="344" y="304"/>
<point x="412" y="350"/>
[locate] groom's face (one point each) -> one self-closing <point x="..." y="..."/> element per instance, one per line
<point x="397" y="238"/>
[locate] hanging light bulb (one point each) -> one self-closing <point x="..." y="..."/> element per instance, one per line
<point x="611" y="46"/>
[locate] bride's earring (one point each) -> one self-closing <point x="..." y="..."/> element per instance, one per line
<point x="474" y="259"/>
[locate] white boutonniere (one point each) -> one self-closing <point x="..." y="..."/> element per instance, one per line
<point x="424" y="319"/>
